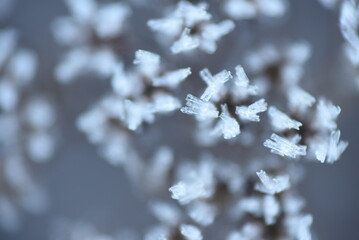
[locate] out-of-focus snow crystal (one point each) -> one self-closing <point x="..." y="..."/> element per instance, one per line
<point x="272" y="185"/>
<point x="203" y="213"/>
<point x="280" y="121"/>
<point x="326" y="115"/>
<point x="86" y="31"/>
<point x="26" y="124"/>
<point x="243" y="9"/>
<point x="191" y="232"/>
<point x="189" y="27"/>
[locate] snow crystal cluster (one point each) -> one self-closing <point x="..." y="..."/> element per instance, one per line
<point x="92" y="32"/>
<point x="26" y="124"/>
<point x="137" y="96"/>
<point x="189" y="26"/>
<point x="259" y="108"/>
<point x="211" y="188"/>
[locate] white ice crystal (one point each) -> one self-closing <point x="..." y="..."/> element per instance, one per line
<point x="250" y="113"/>
<point x="171" y="79"/>
<point x="228" y="125"/>
<point x="272" y="185"/>
<point x="285" y="147"/>
<point x="186" y="42"/>
<point x="202" y="213"/>
<point x="212" y="33"/>
<point x="242" y="9"/>
<point x="148" y="62"/>
<point x="326" y="115"/>
<point x="200" y="108"/>
<point x="163" y="103"/>
<point x="299" y="226"/>
<point x="190" y="232"/>
<point x="84" y="31"/>
<point x="109" y="20"/>
<point x="124" y="84"/>
<point x="298" y="99"/>
<point x="271" y="209"/>
<point x="195" y="182"/>
<point x="349" y="23"/>
<point x="187" y="192"/>
<point x="189" y="27"/>
<point x="214" y="83"/>
<point x="280" y="121"/>
<point x="250" y="231"/>
<point x="242" y="82"/>
<point x="166" y="213"/>
<point x="329" y="149"/>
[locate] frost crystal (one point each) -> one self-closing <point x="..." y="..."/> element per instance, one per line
<point x="228" y="125"/>
<point x="191" y="232"/>
<point x="272" y="185"/>
<point x="202" y="109"/>
<point x="214" y="82"/>
<point x="280" y="121"/>
<point x="299" y="226"/>
<point x="271" y="209"/>
<point x="171" y="79"/>
<point x="284" y="147"/>
<point x="189" y="27"/>
<point x="84" y="31"/>
<point x="299" y="100"/>
<point x="250" y="113"/>
<point x="166" y="213"/>
<point x="329" y="149"/>
<point x="326" y="115"/>
<point x="203" y="213"/>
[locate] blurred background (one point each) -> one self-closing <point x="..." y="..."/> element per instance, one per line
<point x="81" y="186"/>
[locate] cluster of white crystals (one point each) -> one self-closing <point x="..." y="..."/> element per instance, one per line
<point x="137" y="97"/>
<point x="85" y="32"/>
<point x="244" y="9"/>
<point x="252" y="193"/>
<point x="26" y="124"/>
<point x="188" y="26"/>
<point x="208" y="109"/>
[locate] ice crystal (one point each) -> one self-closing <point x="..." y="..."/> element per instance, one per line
<point x="189" y="27"/>
<point x="250" y="113"/>
<point x="199" y="107"/>
<point x="88" y="23"/>
<point x="285" y="147"/>
<point x="214" y="82"/>
<point x="191" y="232"/>
<point x="280" y="121"/>
<point x="272" y="185"/>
